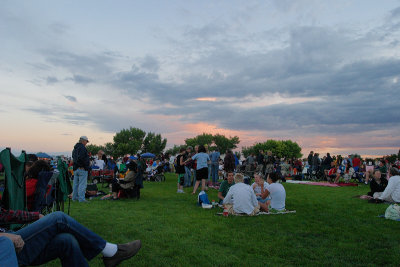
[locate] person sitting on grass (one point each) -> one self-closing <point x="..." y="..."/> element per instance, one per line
<point x="241" y="198"/>
<point x="180" y="170"/>
<point x="57" y="235"/>
<point x="277" y="193"/>
<point x="392" y="191"/>
<point x="128" y="183"/>
<point x="224" y="187"/>
<point x="259" y="187"/>
<point x="201" y="168"/>
<point x="377" y="185"/>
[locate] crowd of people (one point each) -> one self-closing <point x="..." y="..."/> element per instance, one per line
<point x="59" y="236"/>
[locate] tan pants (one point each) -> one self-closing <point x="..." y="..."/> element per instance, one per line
<point x="229" y="207"/>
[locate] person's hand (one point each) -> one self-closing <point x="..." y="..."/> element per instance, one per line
<point x="17" y="241"/>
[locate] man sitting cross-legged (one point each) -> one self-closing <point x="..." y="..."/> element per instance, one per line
<point x="241" y="198"/>
<point x="58" y="236"/>
<point x="277" y="193"/>
<point x="225" y="186"/>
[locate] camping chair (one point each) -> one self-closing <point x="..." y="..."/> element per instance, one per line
<point x="14" y="196"/>
<point x="63" y="186"/>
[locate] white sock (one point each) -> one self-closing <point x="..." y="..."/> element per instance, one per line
<point x="109" y="250"/>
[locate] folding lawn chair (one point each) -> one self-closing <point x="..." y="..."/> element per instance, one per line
<point x="14" y="195"/>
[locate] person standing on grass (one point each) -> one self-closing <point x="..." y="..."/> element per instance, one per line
<point x="180" y="170"/>
<point x="215" y="165"/>
<point x="201" y="168"/>
<point x="81" y="167"/>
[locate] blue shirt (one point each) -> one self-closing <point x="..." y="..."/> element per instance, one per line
<point x="202" y="159"/>
<point x="215" y="157"/>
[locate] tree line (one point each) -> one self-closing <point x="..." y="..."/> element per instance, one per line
<point x="134" y="140"/>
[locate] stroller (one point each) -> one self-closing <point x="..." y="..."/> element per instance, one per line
<point x="157" y="174"/>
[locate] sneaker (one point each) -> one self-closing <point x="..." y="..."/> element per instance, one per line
<point x="124" y="252"/>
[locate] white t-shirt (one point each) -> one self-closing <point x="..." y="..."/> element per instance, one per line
<point x="242" y="197"/>
<point x="278" y="195"/>
<point x="392" y="191"/>
<point x="100" y="163"/>
<point x="257" y="188"/>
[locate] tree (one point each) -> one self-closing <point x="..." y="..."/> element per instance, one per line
<point x="154" y="143"/>
<point x="223" y="143"/>
<point x="214" y="141"/>
<point x="128" y="141"/>
<point x="94" y="149"/>
<point x="175" y="150"/>
<point x="203" y="139"/>
<point x="282" y="149"/>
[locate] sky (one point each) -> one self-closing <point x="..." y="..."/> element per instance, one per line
<point x="324" y="74"/>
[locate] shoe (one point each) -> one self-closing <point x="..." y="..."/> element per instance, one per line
<point x="114" y="198"/>
<point x="83" y="201"/>
<point x="124" y="252"/>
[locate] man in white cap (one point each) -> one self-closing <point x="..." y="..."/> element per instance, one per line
<point x="81" y="167"/>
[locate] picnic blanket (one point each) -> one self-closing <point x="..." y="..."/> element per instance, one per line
<point x="322" y="183"/>
<point x="262" y="213"/>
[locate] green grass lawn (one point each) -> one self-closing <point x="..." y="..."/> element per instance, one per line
<point x="330" y="228"/>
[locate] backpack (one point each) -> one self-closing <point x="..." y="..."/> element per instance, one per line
<point x="203" y="198"/>
<point x="393" y="212"/>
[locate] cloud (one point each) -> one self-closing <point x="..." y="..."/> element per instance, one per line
<point x="71" y="98"/>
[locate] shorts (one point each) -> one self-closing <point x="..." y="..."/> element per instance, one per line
<point x="202" y="174"/>
<point x="181" y="178"/>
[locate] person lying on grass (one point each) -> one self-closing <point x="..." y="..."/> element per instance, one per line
<point x="224" y="187"/>
<point x="57" y="235"/>
<point x="377" y="185"/>
<point x="259" y="187"/>
<point x="240" y="198"/>
<point x="277" y="193"/>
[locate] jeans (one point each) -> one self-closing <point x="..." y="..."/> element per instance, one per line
<point x="188" y="177"/>
<point x="209" y="171"/>
<point x="214" y="171"/>
<point x="80" y="183"/>
<point x="58" y="236"/>
<point x="7" y="252"/>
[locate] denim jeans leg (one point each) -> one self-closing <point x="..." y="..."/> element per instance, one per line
<point x="65" y="247"/>
<point x="82" y="185"/>
<point x="214" y="172"/>
<point x="7" y="252"/>
<point x="188" y="176"/>
<point x="38" y="235"/>
<point x="209" y="172"/>
<point x="75" y="185"/>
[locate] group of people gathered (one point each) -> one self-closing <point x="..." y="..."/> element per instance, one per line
<point x="56" y="235"/>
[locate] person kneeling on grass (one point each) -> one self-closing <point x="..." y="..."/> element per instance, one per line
<point x="57" y="235"/>
<point x="225" y="186"/>
<point x="241" y="198"/>
<point x="277" y="193"/>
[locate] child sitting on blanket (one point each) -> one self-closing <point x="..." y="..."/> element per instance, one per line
<point x="277" y="193"/>
<point x="259" y="186"/>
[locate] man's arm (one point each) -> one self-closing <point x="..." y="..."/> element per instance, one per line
<point x="388" y="191"/>
<point x="18" y="216"/>
<point x="220" y="196"/>
<point x="228" y="197"/>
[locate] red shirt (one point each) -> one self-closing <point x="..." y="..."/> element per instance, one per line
<point x="356" y="162"/>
